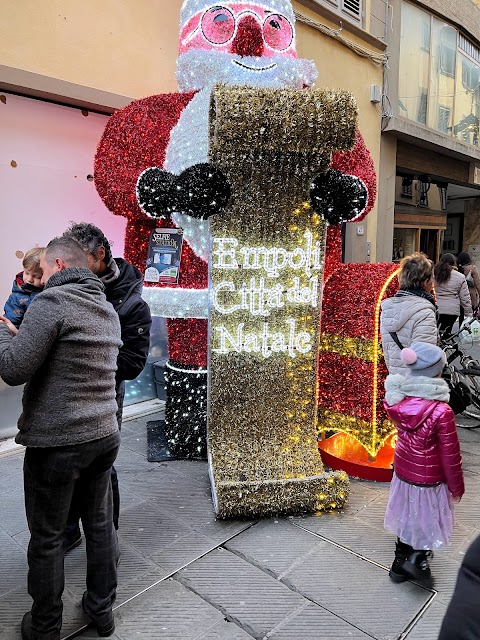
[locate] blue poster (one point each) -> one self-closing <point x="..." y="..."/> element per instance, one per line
<point x="164" y="256"/>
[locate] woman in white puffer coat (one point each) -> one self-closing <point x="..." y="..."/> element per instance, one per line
<point x="411" y="313"/>
<point x="452" y="293"/>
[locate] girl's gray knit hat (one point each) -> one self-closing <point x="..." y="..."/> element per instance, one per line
<point x="424" y="359"/>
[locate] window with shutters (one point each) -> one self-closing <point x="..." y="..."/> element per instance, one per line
<point x="439" y="75"/>
<point x="444" y="119"/>
<point x="351" y="9"/>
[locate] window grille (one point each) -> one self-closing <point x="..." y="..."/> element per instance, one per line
<point x="469" y="48"/>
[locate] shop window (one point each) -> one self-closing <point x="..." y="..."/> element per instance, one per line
<point x="144" y="387"/>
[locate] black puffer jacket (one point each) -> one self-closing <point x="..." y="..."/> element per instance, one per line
<point x="125" y="294"/>
<point x="462" y="619"/>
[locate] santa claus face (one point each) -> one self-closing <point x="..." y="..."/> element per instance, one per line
<point x="246" y="43"/>
<point x="243" y="29"/>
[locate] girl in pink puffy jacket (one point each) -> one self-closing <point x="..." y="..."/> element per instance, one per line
<point x="428" y="475"/>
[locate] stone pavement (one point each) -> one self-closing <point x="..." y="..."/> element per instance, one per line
<point x="183" y="575"/>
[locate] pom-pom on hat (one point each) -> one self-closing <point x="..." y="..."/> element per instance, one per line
<point x="191" y="7"/>
<point x="424" y="359"/>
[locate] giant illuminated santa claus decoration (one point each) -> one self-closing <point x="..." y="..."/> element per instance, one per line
<point x="153" y="167"/>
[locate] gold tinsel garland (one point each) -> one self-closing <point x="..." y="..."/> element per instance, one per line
<point x="263" y="405"/>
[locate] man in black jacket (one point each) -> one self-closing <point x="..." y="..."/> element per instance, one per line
<point x="123" y="287"/>
<point x="462" y="619"/>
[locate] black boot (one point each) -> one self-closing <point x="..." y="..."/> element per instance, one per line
<point x="402" y="551"/>
<point x="416" y="565"/>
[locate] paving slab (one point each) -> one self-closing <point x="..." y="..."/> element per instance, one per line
<point x="428" y="626"/>
<point x="13" y="563"/>
<point x="290" y="578"/>
<point x="315" y="623"/>
<point x="251" y="598"/>
<point x="12" y="506"/>
<point x="183" y="551"/>
<point x="169" y="611"/>
<point x="355" y="534"/>
<point x="274" y="545"/>
<point x="353" y="589"/>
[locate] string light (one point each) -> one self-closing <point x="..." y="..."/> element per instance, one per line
<point x="172" y="132"/>
<point x="351" y="366"/>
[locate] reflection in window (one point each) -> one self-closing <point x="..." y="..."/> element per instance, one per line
<point x="415" y="38"/>
<point x="442" y="75"/>
<point x="422" y="107"/>
<point x="443" y="119"/>
<point x="426" y="35"/>
<point x="448" y="50"/>
<point x="467" y="103"/>
<point x="439" y="76"/>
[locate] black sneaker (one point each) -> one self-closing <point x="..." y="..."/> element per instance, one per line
<point x="103" y="630"/>
<point x="70" y="542"/>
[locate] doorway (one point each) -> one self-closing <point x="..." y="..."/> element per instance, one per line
<point x="429" y="244"/>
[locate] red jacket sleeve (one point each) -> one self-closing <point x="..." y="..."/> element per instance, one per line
<point x="134" y="139"/>
<point x="449" y="450"/>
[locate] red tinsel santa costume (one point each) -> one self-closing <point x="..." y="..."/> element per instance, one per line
<point x="241" y="43"/>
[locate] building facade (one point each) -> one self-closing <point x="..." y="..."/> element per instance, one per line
<point x="65" y="66"/>
<point x="429" y="178"/>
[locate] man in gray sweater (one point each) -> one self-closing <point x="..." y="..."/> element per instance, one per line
<point x="66" y="352"/>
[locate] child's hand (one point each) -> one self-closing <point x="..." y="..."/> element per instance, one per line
<point x="13" y="328"/>
<point x="456" y="499"/>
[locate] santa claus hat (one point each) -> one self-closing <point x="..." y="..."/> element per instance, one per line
<point x="191" y="7"/>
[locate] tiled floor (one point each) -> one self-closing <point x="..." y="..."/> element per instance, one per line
<point x="184" y="575"/>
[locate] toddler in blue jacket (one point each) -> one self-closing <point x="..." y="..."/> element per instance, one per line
<point x="25" y="287"/>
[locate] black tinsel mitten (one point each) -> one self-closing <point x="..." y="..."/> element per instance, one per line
<point x="338" y="197"/>
<point x="203" y="190"/>
<point x="156" y="193"/>
<point x="200" y="191"/>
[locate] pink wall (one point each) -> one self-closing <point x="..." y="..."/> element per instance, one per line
<point x="53" y="147"/>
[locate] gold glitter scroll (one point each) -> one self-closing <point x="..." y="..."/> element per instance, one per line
<point x="266" y="274"/>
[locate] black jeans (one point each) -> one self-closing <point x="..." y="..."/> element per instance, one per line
<point x="50" y="475"/>
<point x="72" y="530"/>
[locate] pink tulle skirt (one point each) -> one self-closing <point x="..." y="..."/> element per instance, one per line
<point x="422" y="517"/>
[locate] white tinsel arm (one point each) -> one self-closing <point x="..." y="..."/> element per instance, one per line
<point x="173" y="302"/>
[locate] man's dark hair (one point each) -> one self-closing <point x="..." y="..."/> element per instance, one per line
<point x="68" y="249"/>
<point x="90" y="237"/>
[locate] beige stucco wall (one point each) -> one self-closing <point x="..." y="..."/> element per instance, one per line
<point x="340" y="67"/>
<point x="129" y="48"/>
<point x="126" y="47"/>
